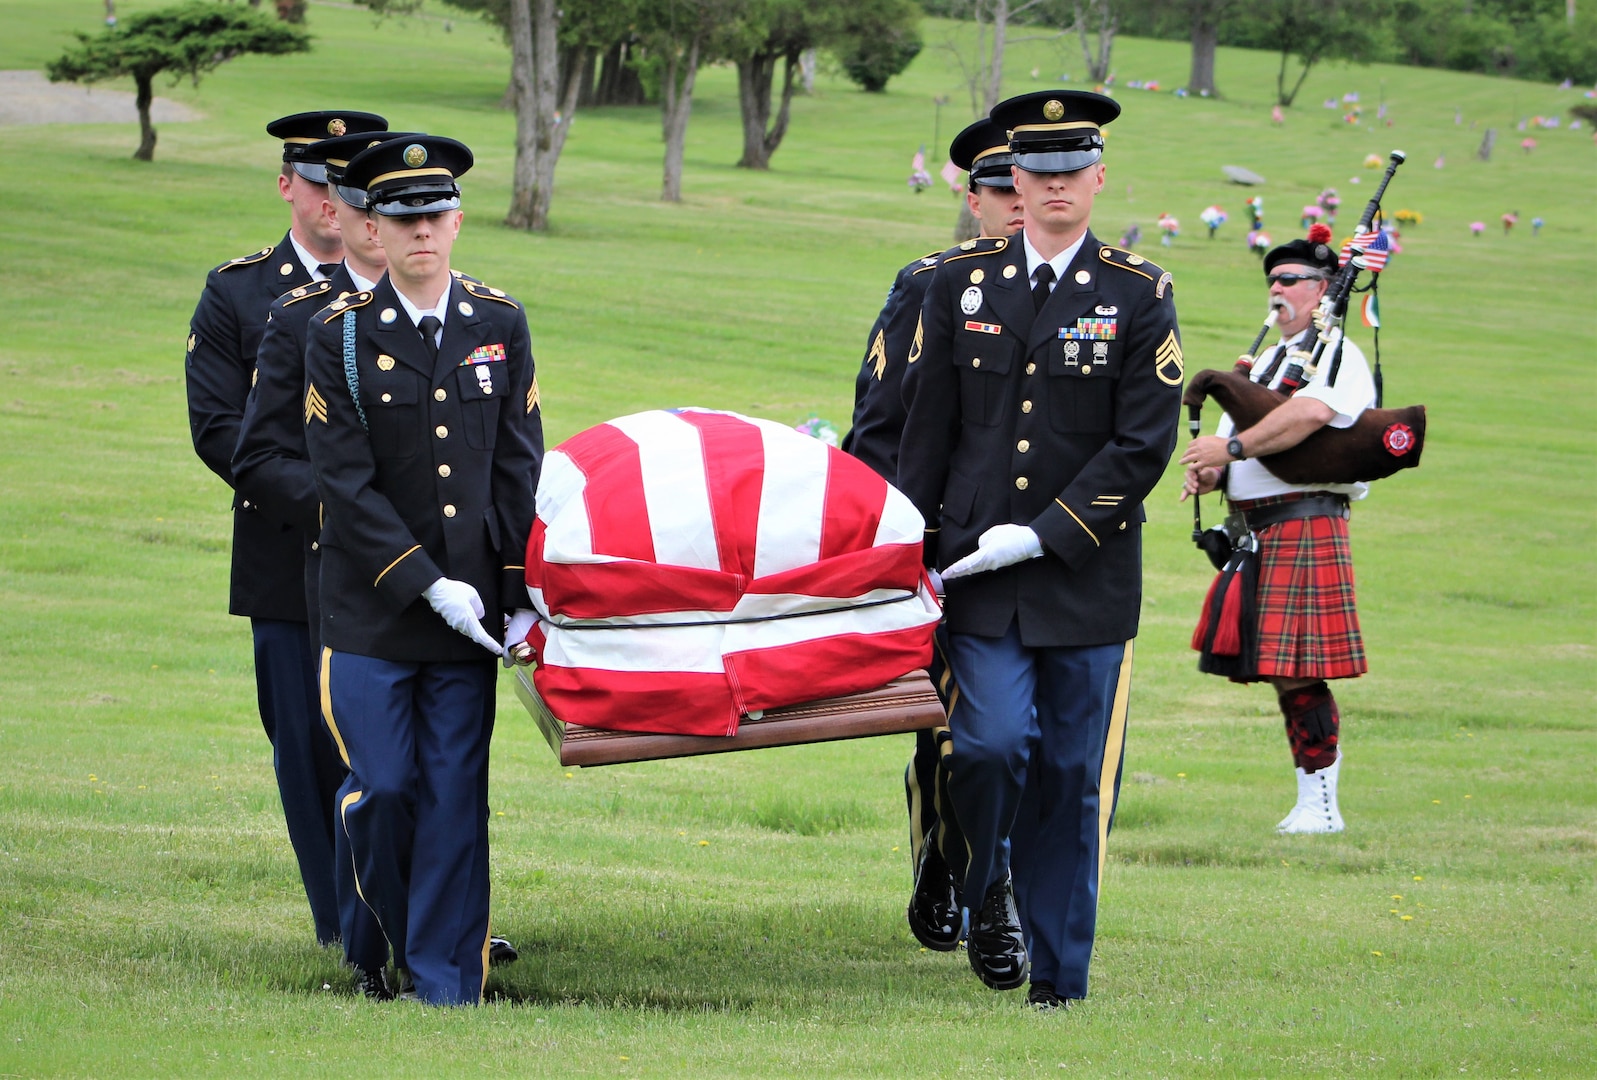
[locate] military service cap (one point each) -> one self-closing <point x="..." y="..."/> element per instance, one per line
<point x="338" y="152"/>
<point x="301" y="131"/>
<point x="1056" y="131"/>
<point x="983" y="151"/>
<point x="404" y="177"/>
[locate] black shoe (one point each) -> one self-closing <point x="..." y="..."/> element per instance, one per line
<point x="500" y="951"/>
<point x="997" y="947"/>
<point x="934" y="916"/>
<point x="1043" y="998"/>
<point x="407" y="988"/>
<point x="373" y="985"/>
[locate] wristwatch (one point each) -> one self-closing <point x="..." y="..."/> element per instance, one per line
<point x="1233" y="447"/>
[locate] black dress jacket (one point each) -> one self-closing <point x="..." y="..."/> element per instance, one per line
<point x="878" y="422"/>
<point x="268" y="561"/>
<point x="426" y="468"/>
<point x="1061" y="419"/>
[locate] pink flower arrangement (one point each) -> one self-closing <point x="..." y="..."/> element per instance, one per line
<point x="1477" y="227"/>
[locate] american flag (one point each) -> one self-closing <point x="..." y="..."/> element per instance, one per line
<point x="691" y="566"/>
<point x="1376" y="252"/>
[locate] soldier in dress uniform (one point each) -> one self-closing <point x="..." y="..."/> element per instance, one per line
<point x="982" y="150"/>
<point x="268" y="562"/>
<point x="422" y="424"/>
<point x="1043" y="404"/>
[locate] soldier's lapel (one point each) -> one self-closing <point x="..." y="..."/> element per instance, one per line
<point x="1074" y="296"/>
<point x="274" y="281"/>
<point x="397" y="337"/>
<point x="463" y="331"/>
<point x="1010" y="297"/>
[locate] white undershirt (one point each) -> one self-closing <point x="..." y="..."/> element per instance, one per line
<point x="437" y="311"/>
<point x="361" y="284"/>
<point x="1059" y="262"/>
<point x="306" y="259"/>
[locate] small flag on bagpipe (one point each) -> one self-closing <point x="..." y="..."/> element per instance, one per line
<point x="1371" y="311"/>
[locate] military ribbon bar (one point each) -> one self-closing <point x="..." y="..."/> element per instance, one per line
<point x="1089" y="330"/>
<point x="484" y="354"/>
<point x="984" y="327"/>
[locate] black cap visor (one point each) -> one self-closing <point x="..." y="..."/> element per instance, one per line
<point x="1057" y="161"/>
<point x="414" y="199"/>
<point x="354" y="196"/>
<point x="316" y="174"/>
<point x="993" y="171"/>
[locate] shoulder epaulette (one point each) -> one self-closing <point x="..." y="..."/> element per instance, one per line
<point x="348" y="303"/>
<point x="484" y="292"/>
<point x="461" y="276"/>
<point x="1136" y="264"/>
<point x="981" y="245"/>
<point x="294" y="296"/>
<point x="925" y="262"/>
<point x="246" y="260"/>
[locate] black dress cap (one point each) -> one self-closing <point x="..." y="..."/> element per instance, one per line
<point x="301" y="131"/>
<point x="1056" y="131"/>
<point x="403" y="177"/>
<point x="983" y="151"/>
<point x="337" y="154"/>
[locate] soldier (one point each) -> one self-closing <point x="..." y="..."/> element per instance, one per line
<point x="1039" y="420"/>
<point x="268" y="562"/>
<point x="982" y="150"/>
<point x="1307" y="625"/>
<point x="422" y="425"/>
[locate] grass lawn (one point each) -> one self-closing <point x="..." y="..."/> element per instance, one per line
<point x="744" y="914"/>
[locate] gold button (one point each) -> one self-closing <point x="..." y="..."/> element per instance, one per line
<point x="449" y="509"/>
<point x="1022" y="483"/>
<point x="1025" y="406"/>
<point x="1023" y="446"/>
<point x="976" y="362"/>
<point x="443" y="470"/>
<point x="1122" y="526"/>
<point x="1086" y="369"/>
<point x="440" y="394"/>
<point x="441" y="431"/>
<point x="388" y="397"/>
<point x="1031" y="369"/>
<point x="315" y="546"/>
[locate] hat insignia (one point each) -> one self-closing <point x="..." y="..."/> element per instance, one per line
<point x="1322" y="252"/>
<point x="1054" y="109"/>
<point x="415" y="155"/>
<point x="336" y="127"/>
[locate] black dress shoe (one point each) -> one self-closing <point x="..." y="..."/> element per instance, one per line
<point x="373" y="985"/>
<point x="500" y="951"/>
<point x="406" y="991"/>
<point x="934" y="916"/>
<point x="996" y="945"/>
<point x="1043" y="998"/>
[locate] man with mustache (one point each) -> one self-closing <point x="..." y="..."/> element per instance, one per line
<point x="1308" y="626"/>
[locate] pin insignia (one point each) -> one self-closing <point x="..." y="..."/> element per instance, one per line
<point x="967" y="245"/>
<point x="1100" y="349"/>
<point x="1135" y="260"/>
<point x="286" y="269"/>
<point x="336" y="127"/>
<point x="1054" y="110"/>
<point x="1082" y="277"/>
<point x="388" y="315"/>
<point x="485" y="381"/>
<point x="1106" y="309"/>
<point x="385" y="363"/>
<point x="970" y="302"/>
<point x="1072" y="349"/>
<point x="977" y="276"/>
<point x="465" y="308"/>
<point x="415" y="155"/>
<point x="1009" y="271"/>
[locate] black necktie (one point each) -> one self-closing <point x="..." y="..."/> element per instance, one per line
<point x="1039" y="291"/>
<point x="327" y="269"/>
<point x="429" y="334"/>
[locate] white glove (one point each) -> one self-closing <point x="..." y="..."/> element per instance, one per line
<point x="999" y="546"/>
<point x="517" y="626"/>
<point x="937" y="580"/>
<point x="461" y="608"/>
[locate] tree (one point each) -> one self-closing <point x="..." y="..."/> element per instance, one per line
<point x="545" y="104"/>
<point x="190" y="39"/>
<point x="1312" y="31"/>
<point x="772" y="33"/>
<point x="1107" y="20"/>
<point x="877" y="40"/>
<point x="1206" y="16"/>
<point x="679" y="36"/>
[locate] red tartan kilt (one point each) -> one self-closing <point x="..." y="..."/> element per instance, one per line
<point x="1308" y="625"/>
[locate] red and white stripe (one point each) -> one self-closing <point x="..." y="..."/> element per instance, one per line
<point x="661" y="519"/>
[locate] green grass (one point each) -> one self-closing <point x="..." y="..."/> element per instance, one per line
<point x="743" y="914"/>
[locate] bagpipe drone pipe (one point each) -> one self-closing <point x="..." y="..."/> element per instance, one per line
<point x="1381" y="441"/>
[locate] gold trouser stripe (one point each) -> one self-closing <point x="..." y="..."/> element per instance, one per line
<point x="1083" y="524"/>
<point x="917" y="806"/>
<point x="1113" y="745"/>
<point x="412" y="551"/>
<point x="325" y="677"/>
<point x="343" y="819"/>
<point x="487" y="942"/>
<point x="944" y="748"/>
<point x="953" y="703"/>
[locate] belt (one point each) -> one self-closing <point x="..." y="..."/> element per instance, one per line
<point x="1326" y="505"/>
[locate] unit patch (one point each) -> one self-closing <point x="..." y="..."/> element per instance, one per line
<point x="1167" y="361"/>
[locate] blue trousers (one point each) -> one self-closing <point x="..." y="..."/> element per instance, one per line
<point x="931" y="815"/>
<point x="415" y="807"/>
<point x="1039" y="737"/>
<point x="305" y="760"/>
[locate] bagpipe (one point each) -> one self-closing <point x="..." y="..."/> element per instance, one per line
<point x="1381" y="442"/>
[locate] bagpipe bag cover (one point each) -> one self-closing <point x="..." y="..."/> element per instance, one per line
<point x="690" y="566"/>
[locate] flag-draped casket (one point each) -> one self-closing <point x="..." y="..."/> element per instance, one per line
<point x="691" y="566"/>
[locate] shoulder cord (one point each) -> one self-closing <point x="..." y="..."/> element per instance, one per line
<point x="351" y="373"/>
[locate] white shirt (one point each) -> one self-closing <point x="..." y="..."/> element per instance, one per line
<point x="437" y="311"/>
<point x="1353" y="393"/>
<point x="1059" y="262"/>
<point x="361" y="284"/>
<point x="306" y="259"/>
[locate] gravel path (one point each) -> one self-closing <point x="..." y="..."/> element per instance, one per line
<point x="27" y="97"/>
